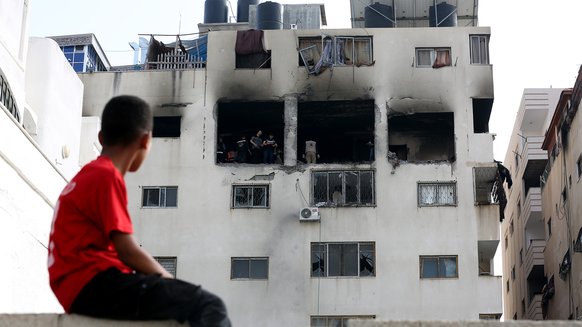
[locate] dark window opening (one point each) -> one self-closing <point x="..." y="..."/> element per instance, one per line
<point x="535" y="282"/>
<point x="481" y="114"/>
<point x="425" y="136"/>
<point x="238" y="120"/>
<point x="256" y="60"/>
<point x="167" y="126"/>
<point x="343" y="130"/>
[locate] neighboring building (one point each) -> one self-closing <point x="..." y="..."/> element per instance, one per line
<point x="83" y="52"/>
<point x="40" y="126"/>
<point x="402" y="184"/>
<point x="562" y="208"/>
<point x="523" y="227"/>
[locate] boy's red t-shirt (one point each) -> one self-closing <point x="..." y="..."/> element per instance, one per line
<point x="91" y="206"/>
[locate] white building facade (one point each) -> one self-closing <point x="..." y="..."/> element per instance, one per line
<point x="40" y="123"/>
<point x="407" y="232"/>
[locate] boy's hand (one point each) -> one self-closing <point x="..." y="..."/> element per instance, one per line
<point x="135" y="257"/>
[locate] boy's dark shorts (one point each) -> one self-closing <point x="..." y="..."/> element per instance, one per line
<point x="116" y="295"/>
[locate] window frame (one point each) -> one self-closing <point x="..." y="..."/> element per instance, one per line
<point x="316" y="45"/>
<point x="342" y="319"/>
<point x="483" y="50"/>
<point x="233" y="202"/>
<point x="326" y="252"/>
<point x="433" y="56"/>
<point x="162" y="260"/>
<point x="162" y="197"/>
<point x="343" y="203"/>
<point x="436" y="203"/>
<point x="250" y="273"/>
<point x="439" y="257"/>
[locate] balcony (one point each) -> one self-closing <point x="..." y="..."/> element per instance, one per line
<point x="534" y="309"/>
<point x="532" y="207"/>
<point x="483" y="179"/>
<point x="534" y="256"/>
<point x="489" y="294"/>
<point x="533" y="161"/>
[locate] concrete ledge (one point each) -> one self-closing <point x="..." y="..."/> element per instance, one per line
<point x="61" y="320"/>
<point x="483" y="323"/>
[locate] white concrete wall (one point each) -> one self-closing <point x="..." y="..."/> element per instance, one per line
<point x="55" y="94"/>
<point x="204" y="232"/>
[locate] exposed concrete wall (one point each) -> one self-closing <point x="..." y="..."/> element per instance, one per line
<point x="204" y="232"/>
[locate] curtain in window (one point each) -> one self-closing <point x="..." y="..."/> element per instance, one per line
<point x="443" y="58"/>
<point x="428" y="194"/>
<point x="448" y="267"/>
<point x="326" y="59"/>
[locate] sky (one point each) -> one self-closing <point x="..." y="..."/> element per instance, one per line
<point x="533" y="43"/>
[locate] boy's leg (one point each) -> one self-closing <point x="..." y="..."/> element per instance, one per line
<point x="115" y="295"/>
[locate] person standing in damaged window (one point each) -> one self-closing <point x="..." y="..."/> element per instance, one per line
<point x="96" y="267"/>
<point x="269" y="147"/>
<point x="257" y="147"/>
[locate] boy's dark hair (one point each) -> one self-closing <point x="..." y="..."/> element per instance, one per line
<point x="125" y="118"/>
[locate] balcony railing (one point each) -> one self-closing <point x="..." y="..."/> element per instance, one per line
<point x="175" y="60"/>
<point x="533" y="203"/>
<point x="534" y="309"/>
<point x="534" y="254"/>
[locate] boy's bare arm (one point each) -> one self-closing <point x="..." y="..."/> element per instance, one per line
<point x="135" y="257"/>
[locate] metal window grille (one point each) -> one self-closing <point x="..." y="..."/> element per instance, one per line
<point x="249" y="268"/>
<point x="169" y="263"/>
<point x="437" y="194"/>
<point x="160" y="197"/>
<point x="343" y="259"/>
<point x="343" y="188"/>
<point x="250" y="196"/>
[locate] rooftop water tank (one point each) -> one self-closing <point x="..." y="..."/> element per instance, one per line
<point x="378" y="15"/>
<point x="215" y="11"/>
<point x="269" y="16"/>
<point x="445" y="15"/>
<point x="242" y="10"/>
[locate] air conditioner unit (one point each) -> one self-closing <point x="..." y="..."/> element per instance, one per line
<point x="309" y="214"/>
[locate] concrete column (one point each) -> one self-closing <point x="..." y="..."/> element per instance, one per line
<point x="290" y="130"/>
<point x="381" y="128"/>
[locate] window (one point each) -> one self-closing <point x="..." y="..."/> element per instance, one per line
<point x="316" y="53"/>
<point x="513" y="273"/>
<point x="507" y="286"/>
<point x="479" y="49"/>
<point x="167" y="126"/>
<point x="518" y="207"/>
<point x="250" y="196"/>
<point x="521" y="257"/>
<point x="523" y="307"/>
<point x="249" y="268"/>
<point x="438" y="267"/>
<point x="169" y="263"/>
<point x="506" y="242"/>
<point x="335" y="321"/>
<point x="343" y="259"/>
<point x="489" y="316"/>
<point x="76" y="57"/>
<point x="343" y="188"/>
<point x="437" y="194"/>
<point x="433" y="57"/>
<point x="160" y="196"/>
<point x="579" y="167"/>
<point x="511" y="228"/>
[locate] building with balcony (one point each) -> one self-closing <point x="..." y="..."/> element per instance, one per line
<point x="40" y="136"/>
<point x="523" y="228"/>
<point x="562" y="210"/>
<point x="399" y="222"/>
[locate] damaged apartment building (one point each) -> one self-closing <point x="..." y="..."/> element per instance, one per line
<point x="392" y="217"/>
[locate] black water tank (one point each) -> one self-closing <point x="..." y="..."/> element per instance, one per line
<point x="446" y="15"/>
<point x="242" y="10"/>
<point x="215" y="11"/>
<point x="375" y="15"/>
<point x="269" y="16"/>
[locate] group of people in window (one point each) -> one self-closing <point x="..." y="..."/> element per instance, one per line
<point x="257" y="150"/>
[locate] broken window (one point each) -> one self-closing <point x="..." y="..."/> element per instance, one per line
<point x="169" y="263"/>
<point x="433" y="57"/>
<point x="250" y="52"/>
<point x="481" y="114"/>
<point x="423" y="137"/>
<point x="479" y="49"/>
<point x="342" y="130"/>
<point x="249" y="268"/>
<point x="343" y="259"/>
<point x="335" y="321"/>
<point x="250" y="196"/>
<point x="343" y="188"/>
<point x="318" y="53"/>
<point x="160" y="196"/>
<point x="437" y="194"/>
<point x="167" y="126"/>
<point x="238" y="120"/>
<point x="438" y="267"/>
